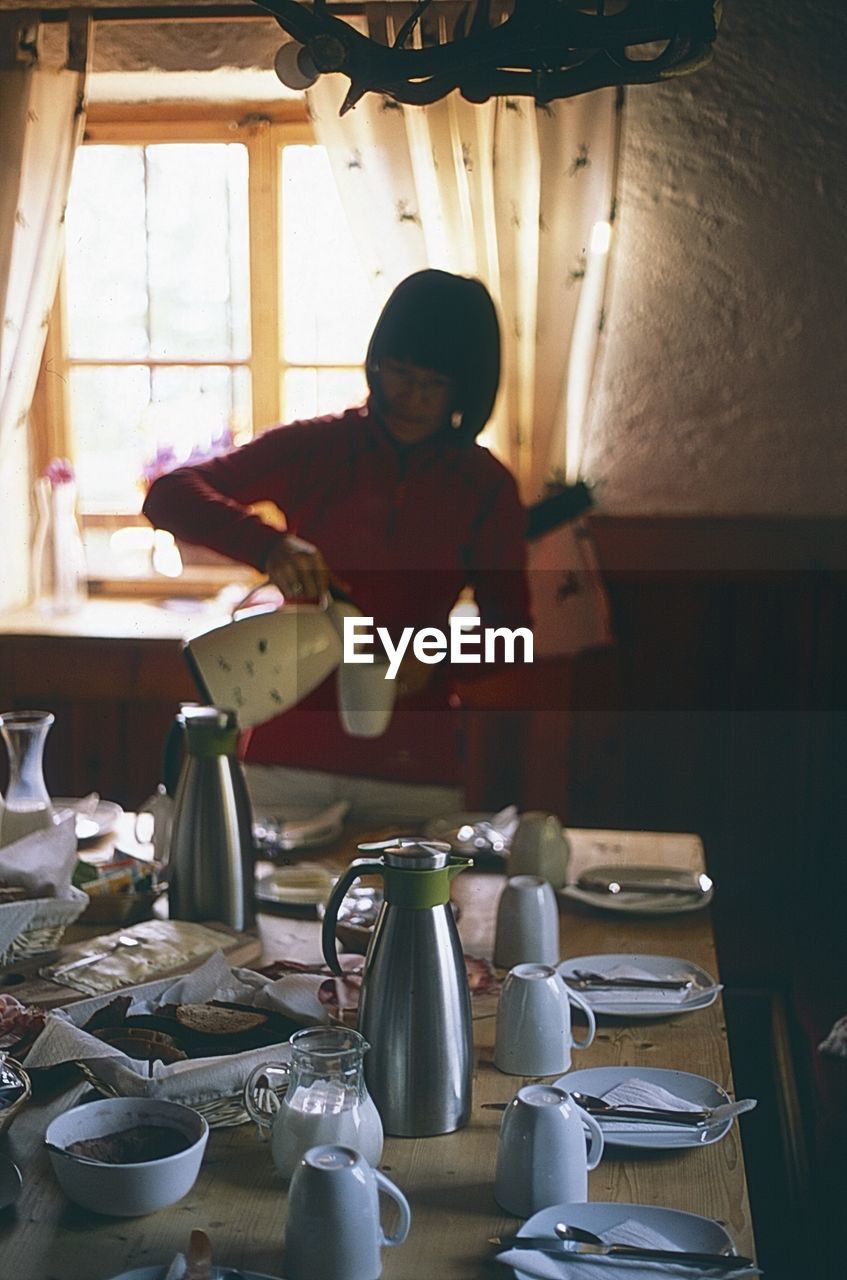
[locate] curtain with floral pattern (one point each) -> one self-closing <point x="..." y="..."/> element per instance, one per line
<point x="42" y="114"/>
<point x="512" y="193"/>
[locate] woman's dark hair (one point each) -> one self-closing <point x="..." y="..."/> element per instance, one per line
<point x="448" y="323"/>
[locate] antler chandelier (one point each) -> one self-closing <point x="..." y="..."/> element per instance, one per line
<point x="543" y="49"/>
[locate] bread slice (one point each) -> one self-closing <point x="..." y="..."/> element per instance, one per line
<point x="212" y="1020"/>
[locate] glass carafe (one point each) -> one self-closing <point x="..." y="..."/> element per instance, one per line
<point x="27" y="804"/>
<point x="326" y="1100"/>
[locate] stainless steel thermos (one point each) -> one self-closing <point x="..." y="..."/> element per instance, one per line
<point x="210" y="859"/>
<point x="414" y="1007"/>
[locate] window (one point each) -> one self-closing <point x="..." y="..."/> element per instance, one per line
<point x="211" y="288"/>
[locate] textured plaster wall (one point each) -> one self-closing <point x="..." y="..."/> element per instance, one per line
<point x="722" y="381"/>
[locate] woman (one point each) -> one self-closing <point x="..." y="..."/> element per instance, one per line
<point x="395" y="503"/>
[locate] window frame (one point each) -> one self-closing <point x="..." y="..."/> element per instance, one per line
<point x="264" y="129"/>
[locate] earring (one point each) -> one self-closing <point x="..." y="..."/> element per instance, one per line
<point x="456" y="419"/>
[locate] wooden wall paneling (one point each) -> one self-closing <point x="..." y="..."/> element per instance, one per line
<point x="149" y="726"/>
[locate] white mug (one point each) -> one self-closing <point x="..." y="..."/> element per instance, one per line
<point x="366" y="698"/>
<point x="541" y="1152"/>
<point x="333" y="1230"/>
<point x="533" y="1036"/>
<point x="527" y="928"/>
<point x="540" y="847"/>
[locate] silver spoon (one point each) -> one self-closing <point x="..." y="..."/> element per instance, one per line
<point x="706" y="1115"/>
<point x="11" y="1182"/>
<point x="62" y="1151"/>
<point x="125" y="940"/>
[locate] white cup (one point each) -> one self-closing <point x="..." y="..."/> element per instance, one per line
<point x="333" y="1230"/>
<point x="540" y="847"/>
<point x="534" y="1036"/>
<point x="366" y="698"/>
<point x="541" y="1152"/>
<point x="527" y="928"/>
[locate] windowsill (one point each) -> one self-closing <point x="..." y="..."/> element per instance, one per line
<point x="141" y="617"/>
<point x="198" y="582"/>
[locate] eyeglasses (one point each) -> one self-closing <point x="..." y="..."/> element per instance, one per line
<point x="407" y="377"/>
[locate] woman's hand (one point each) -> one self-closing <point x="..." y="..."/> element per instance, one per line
<point x="297" y="568"/>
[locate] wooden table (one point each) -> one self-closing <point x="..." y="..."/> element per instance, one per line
<point x="238" y="1197"/>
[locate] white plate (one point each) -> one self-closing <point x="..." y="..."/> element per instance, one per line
<point x="89" y="826"/>
<point x="298" y="829"/>
<point x="296" y="886"/>
<point x="448" y="828"/>
<point x="688" y="1231"/>
<point x="648" y="1004"/>
<point x="641" y="904"/>
<point x="653" y="1137"/>
<point x="216" y="1273"/>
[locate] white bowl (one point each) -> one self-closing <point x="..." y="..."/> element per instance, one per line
<point x="126" y="1190"/>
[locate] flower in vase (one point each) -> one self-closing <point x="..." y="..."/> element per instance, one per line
<point x="60" y="471"/>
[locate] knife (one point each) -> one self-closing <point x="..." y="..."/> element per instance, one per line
<point x="580" y="978"/>
<point x="603" y="884"/>
<point x="548" y="1245"/>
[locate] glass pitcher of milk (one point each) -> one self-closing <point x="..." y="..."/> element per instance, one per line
<point x="325" y="1099"/>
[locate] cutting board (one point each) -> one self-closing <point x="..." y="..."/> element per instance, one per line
<point x="24" y="981"/>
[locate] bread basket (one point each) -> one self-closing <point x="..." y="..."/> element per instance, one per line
<point x="37" y="925"/>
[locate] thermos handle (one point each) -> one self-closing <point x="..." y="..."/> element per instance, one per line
<point x="172" y="757"/>
<point x="359" y="867"/>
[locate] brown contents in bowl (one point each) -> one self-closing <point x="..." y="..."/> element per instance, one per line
<point x="132" y="1146"/>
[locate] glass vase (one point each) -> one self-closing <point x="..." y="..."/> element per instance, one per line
<point x="58" y="559"/>
<point x="27" y="804"/>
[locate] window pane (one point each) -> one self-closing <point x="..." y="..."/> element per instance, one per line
<point x="309" y="392"/>
<point x="198" y="250"/>
<point x="158" y="252"/>
<point x="133" y="422"/>
<point x="107" y="255"/>
<point x="328" y="309"/>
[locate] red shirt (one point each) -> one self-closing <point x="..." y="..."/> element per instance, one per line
<point x="403" y="529"/>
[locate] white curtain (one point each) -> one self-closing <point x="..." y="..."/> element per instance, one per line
<point x="42" y="115"/>
<point x="508" y="192"/>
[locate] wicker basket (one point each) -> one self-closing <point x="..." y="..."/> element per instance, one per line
<point x="220" y="1113"/>
<point x="45" y="928"/>
<point x="8" y="1114"/>
<point x="218" y="1096"/>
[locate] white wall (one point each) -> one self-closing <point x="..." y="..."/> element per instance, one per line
<point x="721" y="387"/>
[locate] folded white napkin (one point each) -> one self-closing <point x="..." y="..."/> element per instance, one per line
<point x="41" y="864"/>
<point x="644" y="1093"/>
<point x="530" y="1262"/>
<point x="598" y="997"/>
